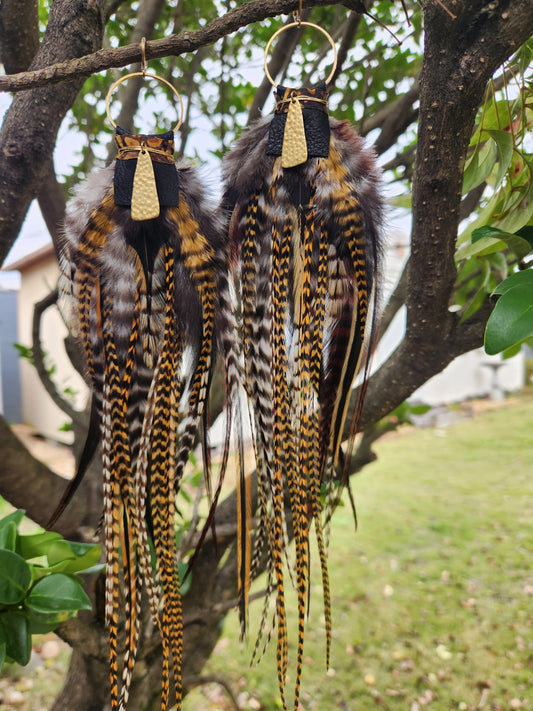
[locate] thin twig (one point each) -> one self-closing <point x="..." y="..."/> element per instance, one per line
<point x="195" y="681"/>
<point x="38" y="358"/>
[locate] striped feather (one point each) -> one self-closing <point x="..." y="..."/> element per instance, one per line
<point x="307" y="241"/>
<point x="142" y="298"/>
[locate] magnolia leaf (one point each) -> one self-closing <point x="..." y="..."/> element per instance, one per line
<point x="499" y="266"/>
<point x="481" y="294"/>
<point x="517" y="244"/>
<point x="185" y="582"/>
<point x="526" y="233"/>
<point x="402" y="200"/>
<point x="481" y="248"/>
<point x="15" y="578"/>
<point x="70" y="557"/>
<point x="504" y="142"/>
<point x="479" y="166"/>
<point x="36" y="545"/>
<point x="15" y="631"/>
<point x="15" y="517"/>
<point x="41" y="622"/>
<point x="512" y="351"/>
<point x="495" y="115"/>
<point x="57" y="593"/>
<point x="8" y="536"/>
<point x="521" y="213"/>
<point x="60" y="552"/>
<point x="523" y="279"/>
<point x="512" y="318"/>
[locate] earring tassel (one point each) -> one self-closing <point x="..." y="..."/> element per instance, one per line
<point x="305" y="226"/>
<point x="140" y="284"/>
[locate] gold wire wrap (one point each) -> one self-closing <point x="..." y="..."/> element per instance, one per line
<point x="127" y="149"/>
<point x="305" y="98"/>
<point x="301" y="23"/>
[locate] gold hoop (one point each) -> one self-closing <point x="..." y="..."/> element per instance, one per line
<point x="142" y="74"/>
<point x="301" y="23"/>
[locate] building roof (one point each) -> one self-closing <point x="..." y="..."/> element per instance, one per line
<point x="30" y="260"/>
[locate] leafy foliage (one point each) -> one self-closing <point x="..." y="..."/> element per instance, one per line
<point x="39" y="585"/>
<point x="511" y="322"/>
<point x="500" y="236"/>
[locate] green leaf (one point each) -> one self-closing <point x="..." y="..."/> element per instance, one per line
<point x="521" y="247"/>
<point x="498" y="265"/>
<point x="482" y="292"/>
<point x="40" y="571"/>
<point x="504" y="142"/>
<point x="512" y="351"/>
<point x="495" y="116"/>
<point x="59" y="554"/>
<point x="526" y="233"/>
<point x="521" y="213"/>
<point x="57" y="593"/>
<point x="36" y="545"/>
<point x="2" y="654"/>
<point x="15" y="631"/>
<point x="523" y="279"/>
<point x="15" y="517"/>
<point x="15" y="578"/>
<point x="68" y="557"/>
<point x="8" y="536"/>
<point x="184" y="584"/>
<point x="405" y="410"/>
<point x="479" y="166"/>
<point x="403" y="200"/>
<point x="512" y="318"/>
<point x="41" y="623"/>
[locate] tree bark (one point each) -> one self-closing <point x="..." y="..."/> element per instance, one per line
<point x="460" y="57"/>
<point x="30" y="127"/>
<point x="28" y="484"/>
<point x="19" y="34"/>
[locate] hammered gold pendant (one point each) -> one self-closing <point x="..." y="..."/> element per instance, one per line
<point x="294" y="149"/>
<point x="144" y="198"/>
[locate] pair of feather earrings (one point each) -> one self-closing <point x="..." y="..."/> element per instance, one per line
<point x="282" y="281"/>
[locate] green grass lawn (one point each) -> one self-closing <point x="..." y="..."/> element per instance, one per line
<point x="432" y="597"/>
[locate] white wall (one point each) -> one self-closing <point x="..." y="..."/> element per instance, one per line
<point x="37" y="408"/>
<point x="469" y="377"/>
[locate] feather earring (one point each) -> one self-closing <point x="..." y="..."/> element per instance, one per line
<point x="141" y="254"/>
<point x="304" y="220"/>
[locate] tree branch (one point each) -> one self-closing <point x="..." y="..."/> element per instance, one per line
<point x="193" y="682"/>
<point x="19" y="34"/>
<point x="38" y="358"/>
<point x="31" y="124"/>
<point x="52" y="203"/>
<point x="461" y="55"/>
<point x="350" y="31"/>
<point x="39" y="489"/>
<point x="393" y="120"/>
<point x="186" y="41"/>
<point x="19" y="42"/>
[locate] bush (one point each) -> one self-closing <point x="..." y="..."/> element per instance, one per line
<point x="39" y="585"/>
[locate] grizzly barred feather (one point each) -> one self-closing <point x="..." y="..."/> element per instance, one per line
<point x="306" y="247"/>
<point x="142" y="297"/>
